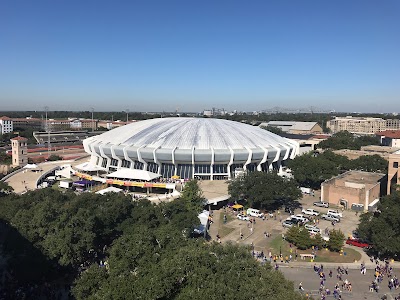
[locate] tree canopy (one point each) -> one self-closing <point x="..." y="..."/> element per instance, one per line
<point x="346" y="140"/>
<point x="382" y="228"/>
<point x="311" y="169"/>
<point x="264" y="189"/>
<point x="114" y="248"/>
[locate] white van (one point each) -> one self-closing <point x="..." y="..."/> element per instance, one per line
<point x="254" y="212"/>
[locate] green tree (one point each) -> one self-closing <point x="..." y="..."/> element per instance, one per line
<point x="336" y="240"/>
<point x="5" y="189"/>
<point x="304" y="240"/>
<point x="370" y="163"/>
<point x="264" y="190"/>
<point x="273" y="129"/>
<point x="292" y="234"/>
<point x="310" y="170"/>
<point x="382" y="228"/>
<point x="346" y="140"/>
<point x="318" y="241"/>
<point x="54" y="157"/>
<point x="193" y="196"/>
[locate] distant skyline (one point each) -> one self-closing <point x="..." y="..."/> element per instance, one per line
<point x="189" y="56"/>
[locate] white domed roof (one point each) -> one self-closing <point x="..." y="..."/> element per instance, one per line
<point x="186" y="133"/>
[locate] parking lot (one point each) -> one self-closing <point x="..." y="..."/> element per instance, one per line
<point x="246" y="233"/>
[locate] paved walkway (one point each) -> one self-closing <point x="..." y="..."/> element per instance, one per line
<point x="26" y="180"/>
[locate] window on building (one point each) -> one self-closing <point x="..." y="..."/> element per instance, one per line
<point x="104" y="163"/>
<point x="395" y="164"/>
<point x="152" y="167"/>
<point x="125" y="163"/>
<point x="114" y="162"/>
<point x="138" y="165"/>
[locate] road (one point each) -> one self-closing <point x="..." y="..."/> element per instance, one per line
<point x="360" y="283"/>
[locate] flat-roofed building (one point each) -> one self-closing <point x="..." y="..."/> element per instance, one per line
<point x="32" y="123"/>
<point x="363" y="125"/>
<point x="354" y="189"/>
<point x="294" y="127"/>
<point x="6" y="125"/>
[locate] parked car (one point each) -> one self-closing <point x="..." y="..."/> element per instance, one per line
<point x="299" y="217"/>
<point x="357" y="243"/>
<point x="329" y="217"/>
<point x="335" y="213"/>
<point x="321" y="204"/>
<point x="295" y="221"/>
<point x="314" y="231"/>
<point x="309" y="226"/>
<point x="243" y="217"/>
<point x="255" y="212"/>
<point x="287" y="224"/>
<point x="310" y="212"/>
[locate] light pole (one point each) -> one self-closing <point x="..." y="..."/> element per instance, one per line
<point x="92" y="119"/>
<point x="127" y="116"/>
<point x="47" y="127"/>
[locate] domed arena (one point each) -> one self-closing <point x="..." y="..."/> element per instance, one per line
<point x="189" y="148"/>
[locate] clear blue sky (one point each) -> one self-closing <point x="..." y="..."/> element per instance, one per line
<point x="193" y="55"/>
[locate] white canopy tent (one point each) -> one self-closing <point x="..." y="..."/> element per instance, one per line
<point x="202" y="228"/>
<point x="110" y="189"/>
<point x="134" y="174"/>
<point x="88" y="167"/>
<point x="31" y="166"/>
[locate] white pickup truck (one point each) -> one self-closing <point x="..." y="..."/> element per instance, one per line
<point x="335" y="213"/>
<point x="310" y="212"/>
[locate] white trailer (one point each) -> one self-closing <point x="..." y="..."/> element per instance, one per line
<point x="65" y="184"/>
<point x="305" y="190"/>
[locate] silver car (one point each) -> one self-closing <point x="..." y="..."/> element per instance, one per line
<point x="321" y="204"/>
<point x="287" y="224"/>
<point x="329" y="217"/>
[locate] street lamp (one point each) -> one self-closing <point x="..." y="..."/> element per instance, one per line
<point x="92" y="119"/>
<point x="127" y="115"/>
<point x="47" y="127"/>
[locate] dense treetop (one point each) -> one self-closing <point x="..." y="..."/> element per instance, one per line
<point x="382" y="228"/>
<point x="311" y="169"/>
<point x="346" y="140"/>
<point x="265" y="190"/>
<point x="110" y="247"/>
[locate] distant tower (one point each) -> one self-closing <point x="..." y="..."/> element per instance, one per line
<point x="19" y="151"/>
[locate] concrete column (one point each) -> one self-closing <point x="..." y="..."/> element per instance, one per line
<point x="366" y="201"/>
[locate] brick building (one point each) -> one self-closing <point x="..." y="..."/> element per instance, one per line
<point x="354" y="188"/>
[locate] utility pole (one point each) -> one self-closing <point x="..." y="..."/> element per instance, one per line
<point x="92" y="119"/>
<point x="127" y="116"/>
<point x="47" y="127"/>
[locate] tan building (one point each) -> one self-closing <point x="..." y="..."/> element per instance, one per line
<point x="19" y="148"/>
<point x="393" y="171"/>
<point x="362" y="189"/>
<point x="32" y="123"/>
<point x="113" y="124"/>
<point x="362" y="125"/>
<point x="294" y="127"/>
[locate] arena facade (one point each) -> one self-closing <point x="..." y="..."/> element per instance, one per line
<point x="189" y="148"/>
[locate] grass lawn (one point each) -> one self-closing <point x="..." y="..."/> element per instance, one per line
<point x="224" y="230"/>
<point x="348" y="256"/>
<point x="277" y="244"/>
